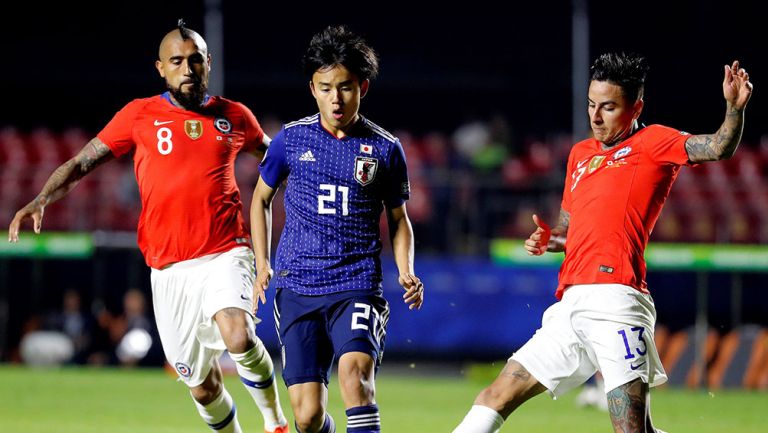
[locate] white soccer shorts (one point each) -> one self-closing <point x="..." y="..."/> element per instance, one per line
<point x="606" y="327"/>
<point x="186" y="296"/>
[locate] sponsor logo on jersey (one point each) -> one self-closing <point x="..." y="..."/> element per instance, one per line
<point x="595" y="162"/>
<point x="365" y="169"/>
<point x="183" y="370"/>
<point x="222" y="125"/>
<point x="193" y="128"/>
<point x="307" y="156"/>
<point x="621" y="153"/>
<point x="366" y="148"/>
<point x="158" y="123"/>
<point x="405" y="188"/>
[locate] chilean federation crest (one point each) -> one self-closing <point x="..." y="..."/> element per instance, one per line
<point x="193" y="128"/>
<point x="365" y="169"/>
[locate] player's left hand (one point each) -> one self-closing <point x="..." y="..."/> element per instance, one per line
<point x="260" y="285"/>
<point x="414" y="290"/>
<point x="737" y="89"/>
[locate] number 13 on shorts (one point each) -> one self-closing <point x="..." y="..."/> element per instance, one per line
<point x="638" y="346"/>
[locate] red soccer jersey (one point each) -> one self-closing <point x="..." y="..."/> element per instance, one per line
<point x="614" y="198"/>
<point x="184" y="164"/>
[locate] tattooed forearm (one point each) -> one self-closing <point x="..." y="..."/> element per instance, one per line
<point x="564" y="220"/>
<point x="68" y="174"/>
<point x="627" y="406"/>
<point x="720" y="145"/>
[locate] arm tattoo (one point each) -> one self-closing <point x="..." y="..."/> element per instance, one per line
<point x="564" y="220"/>
<point x="720" y="145"/>
<point x="68" y="174"/>
<point x="627" y="406"/>
<point x="93" y="154"/>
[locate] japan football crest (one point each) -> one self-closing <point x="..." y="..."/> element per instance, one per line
<point x="365" y="169"/>
<point x="193" y="128"/>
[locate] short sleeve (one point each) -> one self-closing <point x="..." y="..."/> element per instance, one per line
<point x="118" y="134"/>
<point x="254" y="135"/>
<point x="566" y="203"/>
<point x="667" y="145"/>
<point x="398" y="188"/>
<point x="274" y="166"/>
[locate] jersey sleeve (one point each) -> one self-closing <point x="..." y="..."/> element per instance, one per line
<point x="254" y="135"/>
<point x="566" y="202"/>
<point x="667" y="145"/>
<point x="118" y="133"/>
<point x="398" y="188"/>
<point x="274" y="166"/>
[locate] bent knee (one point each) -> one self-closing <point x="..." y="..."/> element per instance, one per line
<point x="309" y="418"/>
<point x="205" y="394"/>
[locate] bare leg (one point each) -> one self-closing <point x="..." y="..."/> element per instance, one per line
<point x="513" y="387"/>
<point x="356" y="379"/>
<point x="309" y="401"/>
<point x="254" y="365"/>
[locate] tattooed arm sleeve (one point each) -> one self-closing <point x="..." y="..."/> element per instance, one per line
<point x="69" y="174"/>
<point x="720" y="145"/>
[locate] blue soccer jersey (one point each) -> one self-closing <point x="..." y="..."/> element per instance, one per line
<point x="336" y="190"/>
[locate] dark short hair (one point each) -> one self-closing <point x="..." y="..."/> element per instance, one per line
<point x="184" y="31"/>
<point x="339" y="46"/>
<point x="625" y="70"/>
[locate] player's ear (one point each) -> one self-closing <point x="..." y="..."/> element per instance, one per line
<point x="209" y="63"/>
<point x="312" y="88"/>
<point x="637" y="108"/>
<point x="364" y="87"/>
<point x="159" y="67"/>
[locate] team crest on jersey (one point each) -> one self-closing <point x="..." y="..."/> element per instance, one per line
<point x="365" y="169"/>
<point x="183" y="370"/>
<point x="621" y="153"/>
<point x="222" y="125"/>
<point x="595" y="162"/>
<point x="193" y="128"/>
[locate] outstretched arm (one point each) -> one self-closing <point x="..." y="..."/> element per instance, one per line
<point x="60" y="183"/>
<point x="401" y="235"/>
<point x="737" y="89"/>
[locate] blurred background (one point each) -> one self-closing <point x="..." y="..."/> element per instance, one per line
<point x="487" y="105"/>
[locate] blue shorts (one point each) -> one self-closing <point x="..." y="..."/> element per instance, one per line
<point x="315" y="330"/>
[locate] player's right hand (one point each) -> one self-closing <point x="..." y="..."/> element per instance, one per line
<point x="260" y="285"/>
<point x="536" y="244"/>
<point x="32" y="210"/>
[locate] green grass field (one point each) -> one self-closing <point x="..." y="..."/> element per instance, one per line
<point x="84" y="400"/>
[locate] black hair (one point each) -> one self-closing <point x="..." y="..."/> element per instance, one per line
<point x="625" y="70"/>
<point x="183" y="30"/>
<point x="339" y="46"/>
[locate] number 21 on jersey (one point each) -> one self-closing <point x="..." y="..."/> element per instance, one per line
<point x="326" y="201"/>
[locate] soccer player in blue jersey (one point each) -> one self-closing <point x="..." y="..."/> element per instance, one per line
<point x="342" y="171"/>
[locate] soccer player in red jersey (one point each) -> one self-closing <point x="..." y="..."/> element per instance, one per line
<point x="191" y="230"/>
<point x="615" y="187"/>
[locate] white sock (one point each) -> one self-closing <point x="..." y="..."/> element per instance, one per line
<point x="480" y="419"/>
<point x="257" y="374"/>
<point x="220" y="414"/>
